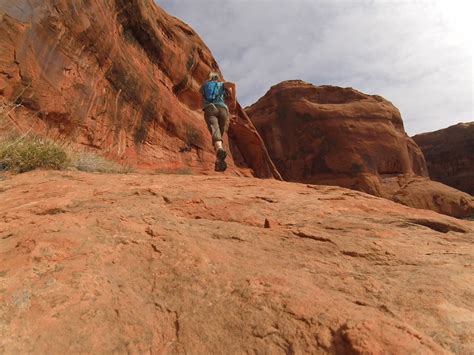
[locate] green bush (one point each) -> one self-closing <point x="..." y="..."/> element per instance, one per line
<point x="29" y="153"/>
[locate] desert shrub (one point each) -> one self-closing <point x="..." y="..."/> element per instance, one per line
<point x="28" y="153"/>
<point x="21" y="153"/>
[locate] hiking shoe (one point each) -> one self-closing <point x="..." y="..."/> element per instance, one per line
<point x="220" y="165"/>
<point x="221" y="154"/>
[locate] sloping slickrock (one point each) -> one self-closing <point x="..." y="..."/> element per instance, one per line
<point x="449" y="155"/>
<point x="118" y="77"/>
<point x="340" y="136"/>
<point x="94" y="263"/>
<point x="420" y="192"/>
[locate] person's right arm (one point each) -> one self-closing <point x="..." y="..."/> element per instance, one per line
<point x="230" y="87"/>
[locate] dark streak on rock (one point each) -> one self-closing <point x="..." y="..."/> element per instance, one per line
<point x="313" y="237"/>
<point x="438" y="226"/>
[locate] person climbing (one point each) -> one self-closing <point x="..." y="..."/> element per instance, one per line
<point x="216" y="113"/>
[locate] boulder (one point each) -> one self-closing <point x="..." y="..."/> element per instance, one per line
<point x="340" y="136"/>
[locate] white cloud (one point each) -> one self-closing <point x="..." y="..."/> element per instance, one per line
<point x="417" y="54"/>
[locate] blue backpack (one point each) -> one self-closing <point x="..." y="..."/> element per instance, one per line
<point x="213" y="91"/>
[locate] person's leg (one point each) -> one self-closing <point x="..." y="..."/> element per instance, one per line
<point x="212" y="121"/>
<point x="218" y="145"/>
<point x="223" y="117"/>
<point x="211" y="114"/>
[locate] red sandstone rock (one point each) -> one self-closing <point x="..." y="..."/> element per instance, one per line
<point x="97" y="263"/>
<point x="121" y="77"/>
<point x="449" y="155"/>
<point x="421" y="192"/>
<point x="340" y="136"/>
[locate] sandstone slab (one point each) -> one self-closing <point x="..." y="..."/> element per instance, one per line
<point x="96" y="263"/>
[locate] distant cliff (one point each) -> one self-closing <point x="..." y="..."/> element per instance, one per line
<point x="449" y="155"/>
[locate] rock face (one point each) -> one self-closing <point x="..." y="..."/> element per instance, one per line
<point x="95" y="263"/>
<point x="449" y="155"/>
<point x="340" y="136"/>
<point x="120" y="77"/>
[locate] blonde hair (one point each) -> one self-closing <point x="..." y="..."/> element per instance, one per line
<point x="213" y="76"/>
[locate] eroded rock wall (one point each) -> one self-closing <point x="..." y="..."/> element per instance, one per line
<point x="119" y="77"/>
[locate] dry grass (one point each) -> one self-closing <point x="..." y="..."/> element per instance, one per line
<point x="24" y="152"/>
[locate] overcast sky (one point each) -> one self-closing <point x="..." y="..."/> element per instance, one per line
<point x="417" y="54"/>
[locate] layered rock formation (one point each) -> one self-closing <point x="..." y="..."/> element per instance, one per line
<point x="199" y="264"/>
<point x="449" y="155"/>
<point x="340" y="136"/>
<point x="120" y="77"/>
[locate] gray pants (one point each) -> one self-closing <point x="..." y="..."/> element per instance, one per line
<point x="217" y="119"/>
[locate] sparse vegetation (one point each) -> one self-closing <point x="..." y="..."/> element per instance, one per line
<point x="25" y="152"/>
<point x="28" y="153"/>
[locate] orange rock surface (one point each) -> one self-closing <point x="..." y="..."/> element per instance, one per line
<point x="449" y="155"/>
<point x="95" y="263"/>
<point x="102" y="263"/>
<point x="119" y="77"/>
<point x="340" y="136"/>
